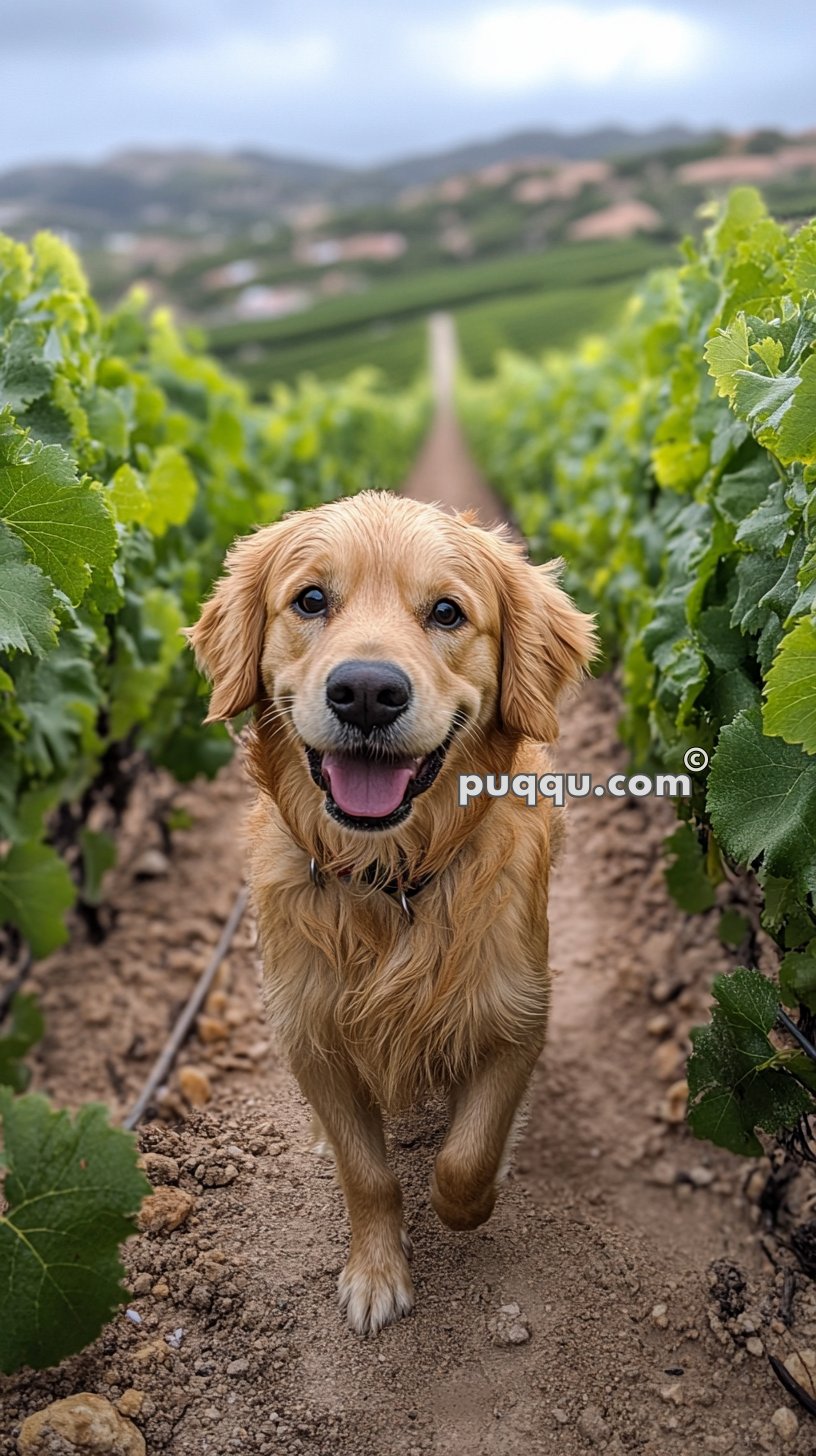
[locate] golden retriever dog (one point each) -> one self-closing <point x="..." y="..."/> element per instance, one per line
<point x="387" y="648"/>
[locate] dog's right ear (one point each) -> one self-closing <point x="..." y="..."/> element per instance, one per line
<point x="229" y="635"/>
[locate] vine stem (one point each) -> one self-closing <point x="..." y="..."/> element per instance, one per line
<point x="799" y="1036"/>
<point x="181" y="1030"/>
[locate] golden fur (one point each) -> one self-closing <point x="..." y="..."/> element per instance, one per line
<point x="373" y="1010"/>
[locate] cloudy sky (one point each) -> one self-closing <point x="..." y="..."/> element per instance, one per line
<point x="362" y="80"/>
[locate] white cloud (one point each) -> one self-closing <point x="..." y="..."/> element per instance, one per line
<point x="518" y="47"/>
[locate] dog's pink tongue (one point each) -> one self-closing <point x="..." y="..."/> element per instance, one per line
<point x="367" y="790"/>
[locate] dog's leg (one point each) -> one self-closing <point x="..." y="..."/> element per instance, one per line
<point x="375" y="1286"/>
<point x="473" y="1157"/>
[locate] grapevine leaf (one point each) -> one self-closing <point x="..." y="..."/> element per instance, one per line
<point x="797" y="978"/>
<point x="737" y="1082"/>
<point x="26" y="1030"/>
<point x="64" y="522"/>
<point x="172" y="489"/>
<point x="25" y="374"/>
<point x="98" y="856"/>
<point x="72" y="1190"/>
<point x="35" y="892"/>
<point x="790" y="706"/>
<point x="27" y="621"/>
<point x="686" y="876"/>
<point x="762" y="802"/>
<point x="726" y="354"/>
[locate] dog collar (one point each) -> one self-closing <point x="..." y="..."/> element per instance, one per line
<point x="400" y="890"/>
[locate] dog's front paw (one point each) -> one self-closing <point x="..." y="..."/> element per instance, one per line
<point x="375" y="1292"/>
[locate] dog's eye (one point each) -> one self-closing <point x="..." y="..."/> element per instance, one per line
<point x="312" y="602"/>
<point x="446" y="613"/>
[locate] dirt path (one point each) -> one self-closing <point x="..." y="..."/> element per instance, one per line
<point x="582" y="1318"/>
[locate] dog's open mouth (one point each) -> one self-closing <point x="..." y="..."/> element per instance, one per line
<point x="365" y="790"/>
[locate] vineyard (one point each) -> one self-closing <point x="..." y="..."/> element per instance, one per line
<point x="673" y="465"/>
<point x="672" y="462"/>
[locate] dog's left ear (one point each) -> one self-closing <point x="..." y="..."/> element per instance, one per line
<point x="547" y="645"/>
<point x="229" y="635"/>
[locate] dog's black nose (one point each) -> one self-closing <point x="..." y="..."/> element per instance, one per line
<point x="368" y="694"/>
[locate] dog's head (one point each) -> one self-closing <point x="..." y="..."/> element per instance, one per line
<point x="383" y="638"/>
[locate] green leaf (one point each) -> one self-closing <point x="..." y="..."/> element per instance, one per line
<point x="733" y="927"/>
<point x="726" y="354"/>
<point x="172" y="490"/>
<point x="797" y="978"/>
<point x="128" y="496"/>
<point x="72" y="1191"/>
<point x="63" y="522"/>
<point x="26" y="1029"/>
<point x="27" y="620"/>
<point x="686" y="877"/>
<point x="98" y="856"/>
<point x="736" y="1077"/>
<point x="35" y="892"/>
<point x="790" y="705"/>
<point x="25" y="374"/>
<point x="762" y="802"/>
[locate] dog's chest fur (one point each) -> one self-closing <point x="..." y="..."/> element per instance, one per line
<point x="413" y="1005"/>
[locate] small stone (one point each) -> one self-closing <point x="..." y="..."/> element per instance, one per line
<point x="785" y="1423"/>
<point x="161" y="1289"/>
<point x="130" y="1402"/>
<point x="701" y="1177"/>
<point x="195" y="1086"/>
<point x="802" y="1366"/>
<point x="80" y="1423"/>
<point x="560" y="1415"/>
<point x="754" y="1346"/>
<point x="509" y="1326"/>
<point x="238" y="1367"/>
<point x="151" y="865"/>
<point x="159" y="1169"/>
<point x="672" y="1394"/>
<point x="674" y="1106"/>
<point x="592" y="1426"/>
<point x="165" y="1210"/>
<point x="659" y="1025"/>
<point x="660" y="1316"/>
<point x="211" y="1029"/>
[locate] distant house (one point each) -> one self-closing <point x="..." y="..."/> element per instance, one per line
<point x="562" y="183"/>
<point x="753" y="167"/>
<point x="358" y="248"/>
<point x="621" y="220"/>
<point x="230" y="275"/>
<point x="263" y="302"/>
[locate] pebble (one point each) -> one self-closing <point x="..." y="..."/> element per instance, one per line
<point x="592" y="1426"/>
<point x="754" y="1346"/>
<point x="238" y="1367"/>
<point x="785" y="1423"/>
<point x="660" y="1316"/>
<point x="151" y="865"/>
<point x="509" y="1326"/>
<point x="159" y="1168"/>
<point x="211" y="1029"/>
<point x="165" y="1210"/>
<point x="672" y="1394"/>
<point x="80" y="1423"/>
<point x="560" y="1415"/>
<point x="130" y="1402"/>
<point x="195" y="1086"/>
<point x="673" y="1109"/>
<point x="701" y="1177"/>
